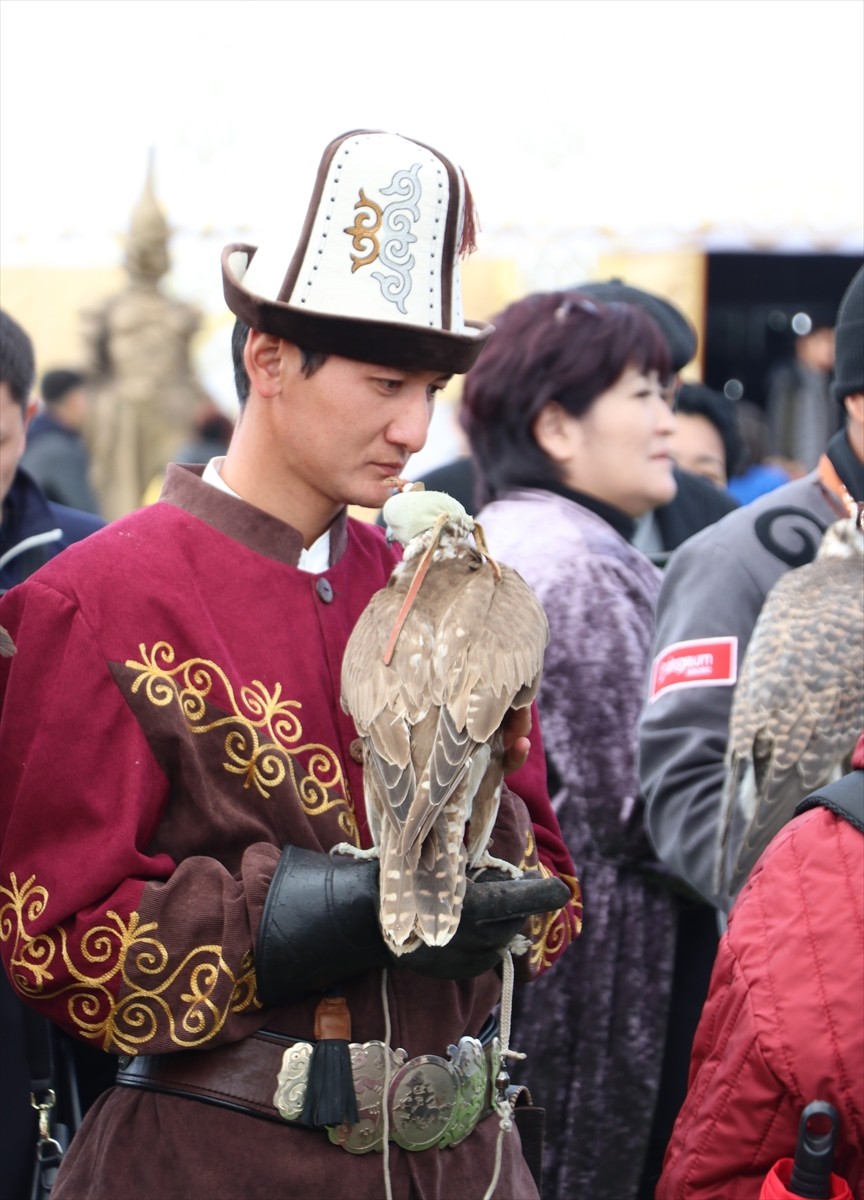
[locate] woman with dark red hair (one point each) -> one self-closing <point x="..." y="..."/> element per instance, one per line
<point x="569" y="425"/>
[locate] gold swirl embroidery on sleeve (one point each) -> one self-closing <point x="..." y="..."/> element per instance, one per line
<point x="550" y="933"/>
<point x="124" y="1024"/>
<point x="263" y="734"/>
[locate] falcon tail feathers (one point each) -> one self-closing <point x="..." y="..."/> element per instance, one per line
<point x="422" y="905"/>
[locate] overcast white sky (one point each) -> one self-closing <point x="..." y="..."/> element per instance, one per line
<point x="633" y="115"/>
<point x="659" y="123"/>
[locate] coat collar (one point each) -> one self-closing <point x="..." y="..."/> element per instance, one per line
<point x="244" y="523"/>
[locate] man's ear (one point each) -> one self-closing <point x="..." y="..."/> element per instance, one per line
<point x="30" y="411"/>
<point x="263" y="358"/>
<point x="854" y="406"/>
<point x="552" y="431"/>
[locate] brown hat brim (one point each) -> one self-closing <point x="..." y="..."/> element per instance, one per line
<point x="407" y="348"/>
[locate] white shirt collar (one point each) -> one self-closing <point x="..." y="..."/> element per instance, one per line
<point x="314" y="560"/>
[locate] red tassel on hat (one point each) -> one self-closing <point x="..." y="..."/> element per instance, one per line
<point x="468" y="244"/>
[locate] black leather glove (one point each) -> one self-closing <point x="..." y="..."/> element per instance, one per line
<point x="494" y="910"/>
<point x="320" y="925"/>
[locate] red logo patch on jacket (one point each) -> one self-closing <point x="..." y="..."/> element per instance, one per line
<point x="712" y="662"/>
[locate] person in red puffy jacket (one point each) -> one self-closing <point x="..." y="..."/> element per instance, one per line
<point x="784" y="1020"/>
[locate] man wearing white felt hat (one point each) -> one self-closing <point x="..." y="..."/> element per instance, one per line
<point x="177" y="678"/>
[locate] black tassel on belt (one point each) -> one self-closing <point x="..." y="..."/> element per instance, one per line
<point x="330" y="1095"/>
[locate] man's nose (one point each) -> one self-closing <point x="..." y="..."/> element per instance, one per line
<point x="410" y="426"/>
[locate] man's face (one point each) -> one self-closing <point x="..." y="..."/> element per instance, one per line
<point x="75" y="407"/>
<point x="816" y="350"/>
<point x="347" y="428"/>
<point x="697" y="446"/>
<point x="13" y="430"/>
<point x="855" y="424"/>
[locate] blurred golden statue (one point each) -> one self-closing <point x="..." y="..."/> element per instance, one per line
<point x="144" y="387"/>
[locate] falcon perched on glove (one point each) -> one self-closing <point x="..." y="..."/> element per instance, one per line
<point x="435" y="663"/>
<point x="798" y="706"/>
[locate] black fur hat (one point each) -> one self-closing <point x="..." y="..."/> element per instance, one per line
<point x="677" y="330"/>
<point x="849" y="341"/>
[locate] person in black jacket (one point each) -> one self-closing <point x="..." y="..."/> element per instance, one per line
<point x="32" y="531"/>
<point x="56" y="455"/>
<point x="32" y="528"/>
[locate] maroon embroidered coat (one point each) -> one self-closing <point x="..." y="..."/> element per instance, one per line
<point x="170" y="720"/>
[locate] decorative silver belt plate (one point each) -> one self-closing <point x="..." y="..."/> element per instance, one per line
<point x="432" y="1101"/>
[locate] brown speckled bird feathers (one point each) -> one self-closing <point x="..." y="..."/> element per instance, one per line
<point x="470" y="648"/>
<point x="798" y="706"/>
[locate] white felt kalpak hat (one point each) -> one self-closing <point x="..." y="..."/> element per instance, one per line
<point x="375" y="275"/>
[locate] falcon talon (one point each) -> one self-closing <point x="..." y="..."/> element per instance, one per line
<point x="353" y="851"/>
<point x="488" y="862"/>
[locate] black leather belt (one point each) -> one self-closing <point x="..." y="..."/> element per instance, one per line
<point x="433" y="1101"/>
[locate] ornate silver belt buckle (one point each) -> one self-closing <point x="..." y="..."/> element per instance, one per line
<point x="290" y="1094"/>
<point x="368" y="1068"/>
<point x="432" y="1101"/>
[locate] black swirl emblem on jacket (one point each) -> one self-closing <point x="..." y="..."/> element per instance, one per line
<point x="780" y="532"/>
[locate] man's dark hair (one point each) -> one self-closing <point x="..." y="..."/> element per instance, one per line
<point x="557" y="347"/>
<point x="57" y="384"/>
<point x="698" y="400"/>
<point x="311" y="360"/>
<point x="17" y="360"/>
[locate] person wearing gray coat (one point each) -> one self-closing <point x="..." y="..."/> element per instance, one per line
<point x="713" y="591"/>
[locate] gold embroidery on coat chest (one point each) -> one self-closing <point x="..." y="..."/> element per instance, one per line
<point x="106" y="953"/>
<point x="263" y="733"/>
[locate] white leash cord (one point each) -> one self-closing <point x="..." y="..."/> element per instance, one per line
<point x="501" y="1103"/>
<point x="385" y="1099"/>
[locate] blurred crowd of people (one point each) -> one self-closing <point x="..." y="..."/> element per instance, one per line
<point x="677" y="1041"/>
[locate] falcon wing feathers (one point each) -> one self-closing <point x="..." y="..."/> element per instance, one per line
<point x="470" y="647"/>
<point x="798" y="706"/>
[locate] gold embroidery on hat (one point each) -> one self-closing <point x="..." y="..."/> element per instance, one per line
<point x="185" y="1003"/>
<point x="366" y="225"/>
<point x="263" y="733"/>
<point x="393" y="249"/>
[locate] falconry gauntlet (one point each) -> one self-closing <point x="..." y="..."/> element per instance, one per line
<point x="320" y="925"/>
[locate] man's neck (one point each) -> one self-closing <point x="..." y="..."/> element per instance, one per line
<point x="278" y="497"/>
<point x="314" y="558"/>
